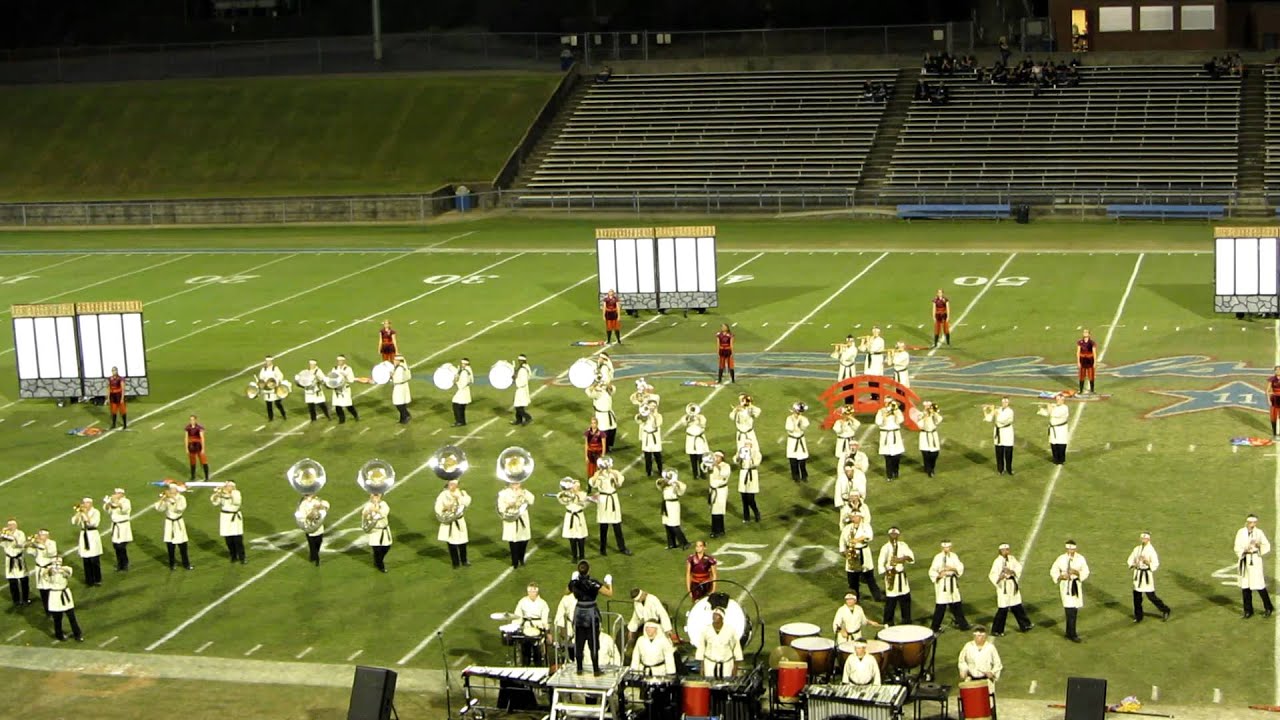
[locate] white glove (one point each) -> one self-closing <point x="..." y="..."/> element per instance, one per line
<point x="608" y="579"/>
<point x="574" y="576"/>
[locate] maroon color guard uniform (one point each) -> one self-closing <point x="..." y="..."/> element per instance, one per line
<point x="1084" y="359"/>
<point x="700" y="575"/>
<point x="941" y="323"/>
<point x="195" y="445"/>
<point x="387" y="344"/>
<point x="611" y="323"/>
<point x="595" y="448"/>
<point x="115" y="399"/>
<point x="1273" y="386"/>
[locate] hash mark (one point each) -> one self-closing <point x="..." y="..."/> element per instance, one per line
<point x="113" y="639"/>
<point x="14" y="636"/>
<point x="170" y="322"/>
<point x="545" y="434"/>
<point x="224" y="427"/>
<point x="511" y="432"/>
<point x="555" y="323"/>
<point x="157" y="426"/>
<point x="260" y="428"/>
<point x="253" y="650"/>
<point x="440" y="323"/>
<point x="354" y="655"/>
<point x="204" y="647"/>
<point x="703" y="325"/>
<point x="365" y="430"/>
<point x="196" y="322"/>
<point x="1148" y="447"/>
<point x="471" y="322"/>
<point x="413" y="322"/>
<point x="60" y="424"/>
<point x="436" y="431"/>
<point x="29" y="422"/>
<point x="764" y="325"/>
<point x="401" y="431"/>
<point x="303" y="654"/>
<point x="331" y="428"/>
<point x="331" y="322"/>
<point x="250" y="322"/>
<point x="1191" y="448"/>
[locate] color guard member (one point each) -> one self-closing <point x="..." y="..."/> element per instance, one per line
<point x="452" y="502"/>
<point x="695" y="439"/>
<point x="979" y="659"/>
<point x="1273" y="387"/>
<point x="116" y="399"/>
<point x="388" y="342"/>
<point x="314" y="393"/>
<point x="521" y="382"/>
<point x="120" y="511"/>
<point x="513" y="507"/>
<point x="1086" y="350"/>
<point x="534" y="616"/>
<point x="718" y="492"/>
<point x="1001" y="419"/>
<point x="895" y="555"/>
<point x="44" y="550"/>
<point x="586" y="613"/>
<point x="930" y="439"/>
<point x="1070" y="571"/>
<point x="375" y="518"/>
<point x="850" y="619"/>
<point x="269" y="378"/>
<point x="719" y="647"/>
<point x="649" y="422"/>
<point x="744" y="420"/>
<point x="861" y="669"/>
<point x="724" y="351"/>
<point x="61" y="601"/>
<point x="462" y="392"/>
<point x="797" y="447"/>
<point x="1006" y="575"/>
<point x="653" y="655"/>
<point x="1144" y="562"/>
<point x="574" y="527"/>
<point x="899" y="364"/>
<point x="945" y="572"/>
<point x="14" y="542"/>
<point x="749" y="479"/>
<point x="230" y="520"/>
<point x="342" y="402"/>
<point x="173" y="506"/>
<point x="596" y="445"/>
<point x="89" y="544"/>
<point x="197" y="449"/>
<point x="312" y="504"/>
<point x="889" y="420"/>
<point x="606" y="483"/>
<point x="941" y="307"/>
<point x="672" y="490"/>
<point x="846" y="430"/>
<point x="611" y="306"/>
<point x="846" y="356"/>
<point x="1250" y="546"/>
<point x="400" y="393"/>
<point x="700" y="573"/>
<point x="601" y="394"/>
<point x="1059" y="415"/>
<point x="855" y="546"/>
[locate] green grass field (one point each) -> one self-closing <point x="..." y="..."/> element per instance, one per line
<point x="262" y="136"/>
<point x="216" y="300"/>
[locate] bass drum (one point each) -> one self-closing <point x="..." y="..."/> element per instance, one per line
<point x="582" y="373"/>
<point x="381" y="374"/>
<point x="502" y="375"/>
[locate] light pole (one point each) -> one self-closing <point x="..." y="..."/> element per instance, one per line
<point x="377" y="31"/>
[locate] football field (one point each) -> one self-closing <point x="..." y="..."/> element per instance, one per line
<point x="1155" y="454"/>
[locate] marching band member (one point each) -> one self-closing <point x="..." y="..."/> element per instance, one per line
<point x="889" y="420"/>
<point x="899" y="360"/>
<point x="1273" y="389"/>
<point x="513" y="507"/>
<point x="604" y="369"/>
<point x="610" y="654"/>
<point x="846" y="430"/>
<point x="116" y="400"/>
<point x="647" y="608"/>
<point x="718" y="492"/>
<point x="120" y="511"/>
<point x="462" y="392"/>
<point x="1144" y="562"/>
<point x="895" y="555"/>
<point x="873" y="346"/>
<point x="452" y="502"/>
<point x="1006" y="575"/>
<point x="1086" y="349"/>
<point x="1251" y="544"/>
<point x="650" y="422"/>
<point x="1070" y="571"/>
<point x="230" y="520"/>
<point x="941" y="307"/>
<point x="586" y="614"/>
<point x="601" y="394"/>
<point x="719" y="647"/>
<point x="606" y="483"/>
<point x="797" y="448"/>
<point x="342" y="402"/>
<point x="855" y="546"/>
<point x="861" y="668"/>
<point x="400" y="393"/>
<point x="846" y="356"/>
<point x="14" y="543"/>
<point x="612" y="309"/>
<point x="854" y="504"/>
<point x="672" y="490"/>
<point x="574" y="527"/>
<point x="744" y="420"/>
<point x="89" y="545"/>
<point x="173" y="505"/>
<point x="945" y="572"/>
<point x="375" y="519"/>
<point x="930" y="440"/>
<point x="596" y="444"/>
<point x="1002" y="434"/>
<point x="724" y="352"/>
<point x="521" y="383"/>
<point x="1059" y="414"/>
<point x="645" y="395"/>
<point x="853" y="476"/>
<point x="197" y="449"/>
<point x="850" y="619"/>
<point x="749" y="479"/>
<point x="43" y="550"/>
<point x="700" y="573"/>
<point x="269" y="378"/>
<point x="388" y="343"/>
<point x="653" y="656"/>
<point x="534" y="615"/>
<point x="61" y="601"/>
<point x="312" y="506"/>
<point x="695" y="438"/>
<point x="313" y="394"/>
<point x="562" y="621"/>
<point x="979" y="659"/>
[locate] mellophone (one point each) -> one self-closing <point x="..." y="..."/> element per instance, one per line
<point x="873" y="702"/>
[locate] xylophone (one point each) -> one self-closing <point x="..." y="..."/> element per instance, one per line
<point x="506" y="688"/>
<point x="533" y="677"/>
<point x="873" y="702"/>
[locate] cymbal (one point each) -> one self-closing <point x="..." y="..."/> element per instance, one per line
<point x="503" y="617"/>
<point x="781" y="653"/>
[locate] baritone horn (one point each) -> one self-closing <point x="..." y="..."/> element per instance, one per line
<point x="449" y="462"/>
<point x="306" y="476"/>
<point x="515" y="465"/>
<point x="376" y="477"/>
<point x="251" y="392"/>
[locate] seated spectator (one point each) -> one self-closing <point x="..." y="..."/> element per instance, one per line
<point x="604" y="75"/>
<point x="939" y="95"/>
<point x="880" y="93"/>
<point x="922" y="91"/>
<point x="867" y="91"/>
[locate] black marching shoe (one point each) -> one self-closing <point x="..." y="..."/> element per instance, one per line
<point x="1164" y="614"/>
<point x="1076" y="639"/>
<point x="1246" y="615"/>
<point x="1266" y="613"/>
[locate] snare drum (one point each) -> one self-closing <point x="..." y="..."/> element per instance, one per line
<point x="792" y="677"/>
<point x="818" y="652"/>
<point x="909" y="645"/>
<point x="794" y="630"/>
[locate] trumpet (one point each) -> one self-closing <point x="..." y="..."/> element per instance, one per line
<point x="708" y="461"/>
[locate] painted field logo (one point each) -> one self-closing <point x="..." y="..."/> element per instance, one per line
<point x="1235" y="394"/>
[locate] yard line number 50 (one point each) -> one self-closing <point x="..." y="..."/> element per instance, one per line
<point x="978" y="280"/>
<point x="800" y="559"/>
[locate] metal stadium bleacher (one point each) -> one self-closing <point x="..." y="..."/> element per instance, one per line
<point x="1271" y="170"/>
<point x="724" y="134"/>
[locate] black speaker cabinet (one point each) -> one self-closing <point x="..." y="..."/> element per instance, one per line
<point x="372" y="693"/>
<point x="1086" y="698"/>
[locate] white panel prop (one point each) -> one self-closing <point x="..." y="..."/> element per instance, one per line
<point x="135" y="346"/>
<point x="658" y="268"/>
<point x="67" y="350"/>
<point x="707" y="264"/>
<point x="1246" y="267"/>
<point x="666" y="265"/>
<point x="625" y="251"/>
<point x="1224" y="258"/>
<point x="1267" y="271"/>
<point x="89" y="339"/>
<point x="644" y="264"/>
<point x="687" y="264"/>
<point x="24" y="345"/>
<point x="607" y="263"/>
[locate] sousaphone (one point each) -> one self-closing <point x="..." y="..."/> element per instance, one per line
<point x="515" y="465"/>
<point x="376" y="477"/>
<point x="449" y="462"/>
<point x="306" y="476"/>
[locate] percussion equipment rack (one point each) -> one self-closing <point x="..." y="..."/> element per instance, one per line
<point x="578" y="695"/>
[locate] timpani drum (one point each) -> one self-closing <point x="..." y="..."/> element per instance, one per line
<point x="818" y="652"/>
<point x="909" y="645"/>
<point x="844" y="651"/>
<point x="697" y="698"/>
<point x="879" y="650"/>
<point x="975" y="699"/>
<point x="793" y="675"/>
<point x="794" y="630"/>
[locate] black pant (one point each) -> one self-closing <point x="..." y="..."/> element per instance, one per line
<point x="1247" y="595"/>
<point x="530" y="651"/>
<point x="1059" y="453"/>
<point x="122" y="555"/>
<point x="518" y="550"/>
<point x="313" y="548"/>
<point x="182" y="549"/>
<point x="279" y="406"/>
<point x="92" y="570"/>
<point x="44" y="600"/>
<point x="522" y="416"/>
<point x="578" y="548"/>
<point x="1019" y="614"/>
<point x="586" y="632"/>
<point x="892" y="602"/>
<point x="20" y="590"/>
<point x="404" y="413"/>
<point x="1137" y="603"/>
<point x="612" y="434"/>
<point x="323" y="407"/>
<point x="342" y="412"/>
<point x="891" y="465"/>
<point x="749" y="506"/>
<point x="380" y="556"/>
<point x="1071" y="622"/>
<point x="205" y="467"/>
<point x="717" y="525"/>
<point x="799" y="469"/>
<point x="930" y="458"/>
<point x="675" y="537"/>
<point x="957" y="615"/>
<point x="123" y="416"/>
<point x="57" y="624"/>
<point x="649" y="459"/>
<point x="459" y="414"/>
<point x="458" y="554"/>
<point x="617" y="536"/>
<point x="1004" y="459"/>
<point x="855" y="583"/>
<point x="695" y="467"/>
<point x="235" y="547"/>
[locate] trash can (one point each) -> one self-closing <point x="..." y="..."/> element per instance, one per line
<point x="463" y="199"/>
<point x="1022" y="213"/>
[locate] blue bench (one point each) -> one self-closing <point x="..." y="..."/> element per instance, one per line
<point x="1166" y="211"/>
<point x="962" y="210"/>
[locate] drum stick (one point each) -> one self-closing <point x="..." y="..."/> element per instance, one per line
<point x="1145" y="714"/>
<point x="1268" y="708"/>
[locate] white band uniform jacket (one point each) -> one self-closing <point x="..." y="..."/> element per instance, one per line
<point x="15" y="563"/>
<point x="979" y="662"/>
<point x="342" y="395"/>
<point x="121" y="524"/>
<point x="654" y="657"/>
<point x="400" y="377"/>
<point x="744" y="421"/>
<point x="1252" y="568"/>
<point x="718" y="647"/>
<point x="60" y="597"/>
<point x="306" y="506"/>
<point x="1072" y="589"/>
<point x="797" y="447"/>
<point x="453" y="533"/>
<point x="1144" y="561"/>
<point x="848" y="623"/>
<point x="1003" y="431"/>
<point x="462" y="386"/>
<point x="848" y="361"/>
<point x="516" y="530"/>
<point x="930" y="439"/>
<point x="890" y="424"/>
<point x="608" y="507"/>
<point x="521" y="383"/>
<point x="651" y="609"/>
<point x="175" y="526"/>
<point x="858" y="482"/>
<point x="534" y="615"/>
<point x="602" y="406"/>
<point x="89" y="541"/>
<point x="859" y="536"/>
<point x="574" y="526"/>
<point x="671" y="495"/>
<point x="874" y="348"/>
<point x="265" y="374"/>
<point x="314" y="393"/>
<point x="749" y="472"/>
<point x="946" y="588"/>
<point x="230" y="519"/>
<point x="1059" y="416"/>
<point x="650" y="432"/>
<point x="847" y="510"/>
<point x="42" y="557"/>
<point x="380" y="535"/>
<point x="861" y="670"/>
<point x="695" y="435"/>
<point x="846" y="430"/>
<point x="1008" y="589"/>
<point x="718" y="487"/>
<point x="889" y="552"/>
<point x="899" y="361"/>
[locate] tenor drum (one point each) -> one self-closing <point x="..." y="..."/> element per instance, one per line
<point x="791" y="631"/>
<point x="909" y="645"/>
<point x="793" y="675"/>
<point x="510" y="632"/>
<point x="975" y="699"/>
<point x="697" y="698"/>
<point x="818" y="652"/>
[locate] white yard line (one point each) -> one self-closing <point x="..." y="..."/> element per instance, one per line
<point x="198" y="286"/>
<point x="14" y="636"/>
<point x="1029" y="544"/>
<point x="108" y="642"/>
<point x="104" y="281"/>
<point x="253" y="650"/>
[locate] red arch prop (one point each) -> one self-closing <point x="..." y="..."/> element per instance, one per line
<point x="861" y="388"/>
